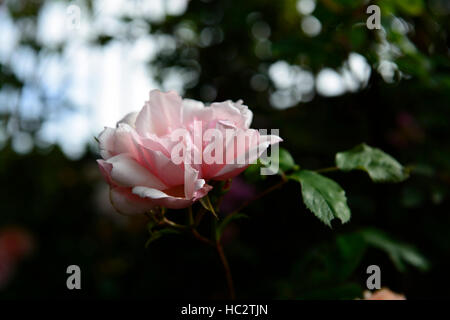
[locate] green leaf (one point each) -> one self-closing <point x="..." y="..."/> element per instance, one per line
<point x="351" y="248"/>
<point x="151" y="225"/>
<point x="400" y="253"/>
<point x="324" y="197"/>
<point x="206" y="203"/>
<point x="411" y="7"/>
<point x="155" y="235"/>
<point x="226" y="222"/>
<point x="285" y="160"/>
<point x="380" y="166"/>
<point x="253" y="172"/>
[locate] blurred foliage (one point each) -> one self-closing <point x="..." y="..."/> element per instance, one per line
<point x="225" y="50"/>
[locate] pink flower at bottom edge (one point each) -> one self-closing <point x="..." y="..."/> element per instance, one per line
<point x="383" y="294"/>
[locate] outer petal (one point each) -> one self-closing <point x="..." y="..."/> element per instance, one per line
<point x="129" y="119"/>
<point x="251" y="155"/>
<point x="122" y="199"/>
<point x="160" y="115"/>
<point x="127" y="172"/>
<point x="116" y="141"/>
<point x="202" y="189"/>
<point x="124" y="141"/>
<point x="236" y="147"/>
<point x="153" y="142"/>
<point x="228" y="131"/>
<point x="106" y="142"/>
<point x="192" y="110"/>
<point x="105" y="170"/>
<point x="163" y="199"/>
<point x="162" y="167"/>
<point x="235" y="112"/>
<point x="127" y="203"/>
<point x="191" y="181"/>
<point x="230" y="171"/>
<point x="246" y="113"/>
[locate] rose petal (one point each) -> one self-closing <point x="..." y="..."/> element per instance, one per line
<point x="129" y="119"/>
<point x="202" y="189"/>
<point x="161" y="114"/>
<point x="162" y="199"/>
<point x="162" y="167"/>
<point x="115" y="141"/>
<point x="127" y="203"/>
<point x="192" y="110"/>
<point x="234" y="151"/>
<point x="105" y="170"/>
<point x="246" y="113"/>
<point x="190" y="181"/>
<point x="243" y="161"/>
<point x="106" y="142"/>
<point x="235" y="112"/>
<point x="127" y="172"/>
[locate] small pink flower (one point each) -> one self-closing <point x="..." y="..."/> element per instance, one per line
<point x="138" y="161"/>
<point x="383" y="294"/>
<point x="15" y="244"/>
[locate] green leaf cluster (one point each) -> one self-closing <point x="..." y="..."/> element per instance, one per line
<point x="325" y="197"/>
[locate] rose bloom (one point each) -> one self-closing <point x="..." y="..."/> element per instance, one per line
<point x="383" y="294"/>
<point x="138" y="159"/>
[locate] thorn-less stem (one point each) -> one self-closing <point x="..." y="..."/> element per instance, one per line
<point x="194" y="222"/>
<point x="203" y="239"/>
<point x="191" y="216"/>
<point x="223" y="258"/>
<point x="174" y="225"/>
<point x="218" y="246"/>
<point x="199" y="216"/>
<point x="149" y="217"/>
<point x="329" y="169"/>
<point x="259" y="196"/>
<point x="190" y="228"/>
<point x="226" y="267"/>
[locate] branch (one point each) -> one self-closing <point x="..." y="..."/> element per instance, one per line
<point x="226" y="266"/>
<point x="329" y="169"/>
<point x="259" y="196"/>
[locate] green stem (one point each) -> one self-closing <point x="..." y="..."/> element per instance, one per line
<point x="199" y="216"/>
<point x="329" y="169"/>
<point x="209" y="242"/>
<point x="190" y="216"/>
<point x="172" y="224"/>
<point x="203" y="239"/>
<point x="226" y="267"/>
<point x="259" y="196"/>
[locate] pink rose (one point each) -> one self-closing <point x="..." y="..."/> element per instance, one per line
<point x="383" y="294"/>
<point x="141" y="156"/>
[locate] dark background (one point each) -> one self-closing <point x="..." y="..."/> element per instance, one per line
<point x="54" y="209"/>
